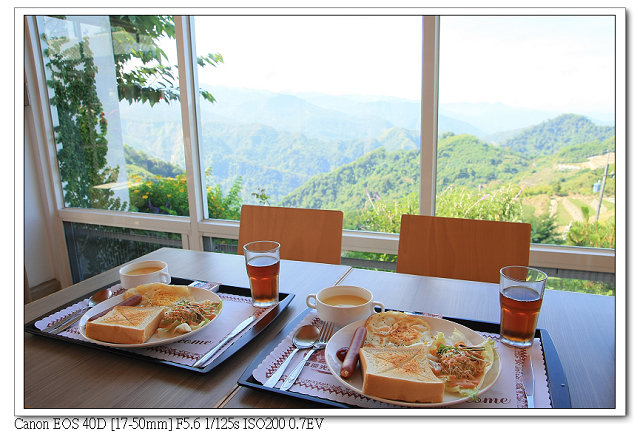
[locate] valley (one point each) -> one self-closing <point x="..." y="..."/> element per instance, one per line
<point x="336" y="153"/>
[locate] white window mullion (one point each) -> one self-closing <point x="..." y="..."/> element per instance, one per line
<point x="429" y="114"/>
<point x="190" y="121"/>
<point x="131" y="220"/>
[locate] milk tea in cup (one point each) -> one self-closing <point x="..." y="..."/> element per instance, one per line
<point x="343" y="304"/>
<point x="143" y="272"/>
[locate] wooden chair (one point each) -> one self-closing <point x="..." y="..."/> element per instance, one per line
<point x="304" y="234"/>
<point x="461" y="248"/>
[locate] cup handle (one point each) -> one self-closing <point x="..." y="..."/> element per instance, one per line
<point x="379" y="304"/>
<point x="166" y="278"/>
<point x="309" y="296"/>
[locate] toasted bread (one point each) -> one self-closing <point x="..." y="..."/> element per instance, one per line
<point x="125" y="325"/>
<point x="158" y="294"/>
<point x="392" y="328"/>
<point x="400" y="373"/>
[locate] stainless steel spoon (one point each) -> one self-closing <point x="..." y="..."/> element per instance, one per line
<point x="96" y="298"/>
<point x="304" y="338"/>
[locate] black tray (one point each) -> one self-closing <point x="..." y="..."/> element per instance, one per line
<point x="558" y="386"/>
<point x="261" y="325"/>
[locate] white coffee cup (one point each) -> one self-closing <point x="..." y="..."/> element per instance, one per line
<point x="146" y="271"/>
<point x="343" y="314"/>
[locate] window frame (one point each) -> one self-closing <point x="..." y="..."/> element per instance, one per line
<point x="197" y="226"/>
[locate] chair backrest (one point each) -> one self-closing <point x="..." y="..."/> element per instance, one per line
<point x="304" y="234"/>
<point x="461" y="248"/>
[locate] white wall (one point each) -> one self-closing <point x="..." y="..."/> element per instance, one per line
<point x="37" y="250"/>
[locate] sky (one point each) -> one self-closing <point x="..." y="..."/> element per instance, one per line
<point x="547" y="63"/>
<point x="559" y="63"/>
<point x="332" y="55"/>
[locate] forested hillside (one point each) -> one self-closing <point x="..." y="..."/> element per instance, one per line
<point x="389" y="173"/>
<point x="355" y="154"/>
<point x="295" y="170"/>
<point x="139" y="163"/>
<point x="552" y="135"/>
<point x="465" y="160"/>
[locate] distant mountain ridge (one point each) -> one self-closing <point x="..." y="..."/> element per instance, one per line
<point x="462" y="160"/>
<point x="280" y="142"/>
<point x="552" y="135"/>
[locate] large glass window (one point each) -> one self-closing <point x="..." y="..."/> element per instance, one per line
<point x="313" y="112"/>
<point x="114" y="99"/>
<point x="325" y="112"/>
<point x="526" y="124"/>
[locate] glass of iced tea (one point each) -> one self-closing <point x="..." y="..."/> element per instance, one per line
<point x="263" y="267"/>
<point x="521" y="292"/>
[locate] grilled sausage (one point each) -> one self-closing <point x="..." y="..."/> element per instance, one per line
<point x="353" y="354"/>
<point x="131" y="301"/>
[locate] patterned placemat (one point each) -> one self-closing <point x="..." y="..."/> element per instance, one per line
<point x="317" y="380"/>
<point x="186" y="351"/>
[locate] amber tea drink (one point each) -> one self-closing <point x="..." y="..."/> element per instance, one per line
<point x="263" y="267"/>
<point x="521" y="292"/>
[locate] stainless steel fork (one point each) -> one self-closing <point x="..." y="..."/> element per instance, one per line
<point x="325" y="335"/>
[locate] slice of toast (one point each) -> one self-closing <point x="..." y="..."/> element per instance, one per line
<point x="400" y="373"/>
<point x="126" y="325"/>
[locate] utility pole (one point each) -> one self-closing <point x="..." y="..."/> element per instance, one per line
<point x="604" y="182"/>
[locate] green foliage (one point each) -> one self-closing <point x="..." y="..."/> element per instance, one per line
<point x="581" y="152"/>
<point x="599" y="234"/>
<point x="543" y="189"/>
<point x="261" y="196"/>
<point x="503" y="204"/>
<point x="561" y="132"/>
<point x="582" y="182"/>
<point x="142" y="76"/>
<point x="583" y="286"/>
<point x="169" y="196"/>
<point x="391" y="174"/>
<point x="384" y="215"/>
<point x="376" y="257"/>
<point x="135" y="38"/>
<point x="152" y="165"/>
<point x="160" y="196"/>
<point x="226" y="207"/>
<point x="82" y="128"/>
<point x="544" y="229"/>
<point x="585" y="212"/>
<point x="464" y="160"/>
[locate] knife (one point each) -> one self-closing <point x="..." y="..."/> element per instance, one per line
<point x="66" y="322"/>
<point x="200" y="363"/>
<point x="527" y="374"/>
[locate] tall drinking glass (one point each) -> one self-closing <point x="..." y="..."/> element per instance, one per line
<point x="263" y="267"/>
<point x="521" y="292"/>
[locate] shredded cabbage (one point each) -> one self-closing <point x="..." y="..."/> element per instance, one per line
<point x="185" y="316"/>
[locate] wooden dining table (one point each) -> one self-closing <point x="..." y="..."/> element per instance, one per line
<point x="62" y="375"/>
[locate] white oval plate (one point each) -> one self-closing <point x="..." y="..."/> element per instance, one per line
<point x="342" y="338"/>
<point x="196" y="294"/>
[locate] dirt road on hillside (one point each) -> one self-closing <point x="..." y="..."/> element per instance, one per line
<point x="574" y="211"/>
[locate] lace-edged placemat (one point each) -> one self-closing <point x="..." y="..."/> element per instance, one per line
<point x="186" y="351"/>
<point x="316" y="378"/>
